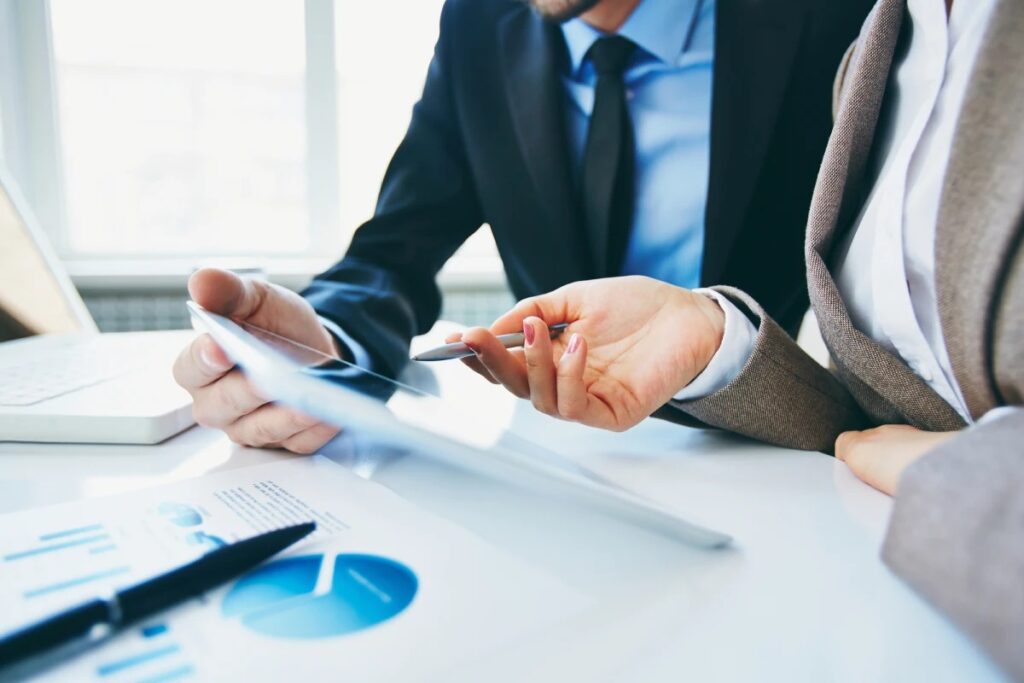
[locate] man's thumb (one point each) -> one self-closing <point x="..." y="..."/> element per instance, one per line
<point x="223" y="292"/>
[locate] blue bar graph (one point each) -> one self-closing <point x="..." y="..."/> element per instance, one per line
<point x="172" y="675"/>
<point x="31" y="552"/>
<point x="77" y="581"/>
<point x="70" y="532"/>
<point x="102" y="549"/>
<point x="136" y="659"/>
<point x="154" y="630"/>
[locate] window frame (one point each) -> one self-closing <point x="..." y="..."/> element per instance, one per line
<point x="29" y="97"/>
<point x="29" y="101"/>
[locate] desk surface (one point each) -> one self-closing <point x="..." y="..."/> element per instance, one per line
<point x="801" y="596"/>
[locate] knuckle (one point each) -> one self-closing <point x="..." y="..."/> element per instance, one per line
<point x="296" y="422"/>
<point x="302" y="446"/>
<point x="236" y="434"/>
<point x="845" y="440"/>
<point x="202" y="414"/>
<point x="526" y="304"/>
<point x="543" y="405"/>
<point x="263" y="431"/>
<point x="235" y="395"/>
<point x="176" y="369"/>
<point x="571" y="411"/>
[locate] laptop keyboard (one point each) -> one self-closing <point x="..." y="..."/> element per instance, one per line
<point x="65" y="369"/>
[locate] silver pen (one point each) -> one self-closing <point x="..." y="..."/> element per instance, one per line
<point x="460" y="350"/>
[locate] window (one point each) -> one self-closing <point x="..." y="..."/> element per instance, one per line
<point x="383" y="49"/>
<point x="182" y="127"/>
<point x="218" y="128"/>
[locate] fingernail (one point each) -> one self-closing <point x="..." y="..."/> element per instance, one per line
<point x="574" y="343"/>
<point x="528" y="332"/>
<point x="211" y="362"/>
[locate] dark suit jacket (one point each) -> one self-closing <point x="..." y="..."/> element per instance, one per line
<point x="488" y="144"/>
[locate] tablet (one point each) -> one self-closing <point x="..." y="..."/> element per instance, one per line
<point x="396" y="414"/>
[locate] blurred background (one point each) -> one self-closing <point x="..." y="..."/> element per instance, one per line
<point x="152" y="137"/>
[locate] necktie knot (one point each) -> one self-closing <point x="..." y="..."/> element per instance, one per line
<point x="610" y="55"/>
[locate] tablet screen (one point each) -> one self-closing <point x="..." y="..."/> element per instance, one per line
<point x="467" y="433"/>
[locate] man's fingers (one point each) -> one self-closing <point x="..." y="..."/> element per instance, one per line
<point x="201" y="363"/>
<point x="224" y="292"/>
<point x="507" y="368"/>
<point x="226" y="401"/>
<point x="310" y="440"/>
<point x="268" y="426"/>
<point x="572" y="393"/>
<point x="540" y="368"/>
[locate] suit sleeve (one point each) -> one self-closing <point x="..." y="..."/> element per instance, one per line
<point x="384" y="291"/>
<point x="957" y="534"/>
<point x="781" y="396"/>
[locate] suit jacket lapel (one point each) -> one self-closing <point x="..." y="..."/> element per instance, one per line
<point x="748" y="89"/>
<point x="980" y="217"/>
<point x="532" y="53"/>
<point x="884" y="386"/>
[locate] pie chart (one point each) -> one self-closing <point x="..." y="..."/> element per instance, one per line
<point x="179" y="514"/>
<point x="313" y="596"/>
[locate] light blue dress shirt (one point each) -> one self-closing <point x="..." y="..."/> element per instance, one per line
<point x="668" y="85"/>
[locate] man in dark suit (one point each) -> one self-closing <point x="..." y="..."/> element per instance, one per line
<point x="673" y="138"/>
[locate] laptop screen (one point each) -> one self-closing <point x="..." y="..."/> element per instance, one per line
<point x="31" y="298"/>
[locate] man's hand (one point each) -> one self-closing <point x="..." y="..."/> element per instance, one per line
<point x="879" y="456"/>
<point x="222" y="396"/>
<point x="632" y="344"/>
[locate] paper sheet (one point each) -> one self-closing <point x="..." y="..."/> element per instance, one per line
<point x="381" y="591"/>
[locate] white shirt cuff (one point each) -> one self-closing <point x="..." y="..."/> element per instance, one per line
<point x="997" y="413"/>
<point x="359" y="355"/>
<point x="732" y="355"/>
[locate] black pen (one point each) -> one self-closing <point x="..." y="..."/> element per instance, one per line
<point x="84" y="626"/>
<point x="460" y="350"/>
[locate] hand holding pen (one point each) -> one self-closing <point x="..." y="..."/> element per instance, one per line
<point x="632" y="344"/>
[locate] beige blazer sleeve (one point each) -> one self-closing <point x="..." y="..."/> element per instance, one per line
<point x="957" y="534"/>
<point x="782" y="395"/>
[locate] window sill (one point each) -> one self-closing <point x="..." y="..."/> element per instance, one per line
<point x="150" y="275"/>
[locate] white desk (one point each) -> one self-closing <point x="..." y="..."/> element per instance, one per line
<point x="802" y="595"/>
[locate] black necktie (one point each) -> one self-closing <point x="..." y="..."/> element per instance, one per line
<point x="608" y="157"/>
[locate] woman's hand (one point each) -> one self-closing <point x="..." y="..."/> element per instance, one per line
<point x="879" y="456"/>
<point x="632" y="343"/>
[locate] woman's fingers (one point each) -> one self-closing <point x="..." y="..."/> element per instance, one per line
<point x="474" y="364"/>
<point x="508" y="368"/>
<point x="471" y="362"/>
<point x="572" y="393"/>
<point x="540" y="368"/>
<point x="552" y="307"/>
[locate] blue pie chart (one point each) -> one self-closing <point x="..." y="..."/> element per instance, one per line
<point x="179" y="514"/>
<point x="278" y="599"/>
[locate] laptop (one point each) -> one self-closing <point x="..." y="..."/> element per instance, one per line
<point x="60" y="379"/>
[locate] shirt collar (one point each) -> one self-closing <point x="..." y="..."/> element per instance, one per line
<point x="660" y="27"/>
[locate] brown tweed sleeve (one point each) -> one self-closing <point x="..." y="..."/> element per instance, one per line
<point x="782" y="395"/>
<point x="957" y="534"/>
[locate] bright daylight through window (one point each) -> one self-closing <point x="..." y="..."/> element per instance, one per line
<point x="185" y="126"/>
